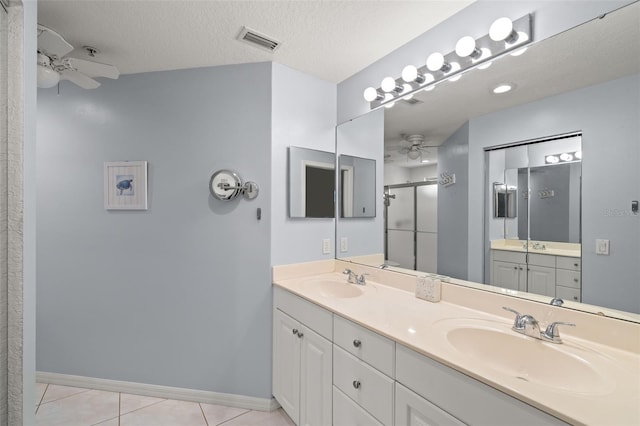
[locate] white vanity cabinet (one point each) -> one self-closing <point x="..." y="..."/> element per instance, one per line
<point x="548" y="275"/>
<point x="445" y="396"/>
<point x="509" y="270"/>
<point x="302" y="360"/>
<point x="363" y="370"/>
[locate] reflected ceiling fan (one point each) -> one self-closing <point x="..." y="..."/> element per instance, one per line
<point x="416" y="147"/>
<point x="54" y="65"/>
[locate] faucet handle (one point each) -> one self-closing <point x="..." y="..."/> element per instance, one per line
<point x="347" y="271"/>
<point x="551" y="333"/>
<point x="517" y="322"/>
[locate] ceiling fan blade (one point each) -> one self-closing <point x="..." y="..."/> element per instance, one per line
<point x="51" y="43"/>
<point x="79" y="79"/>
<point x="94" y="69"/>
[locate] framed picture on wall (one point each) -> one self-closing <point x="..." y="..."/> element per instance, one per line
<point x="125" y="185"/>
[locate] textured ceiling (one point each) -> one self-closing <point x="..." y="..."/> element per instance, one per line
<point x="331" y="40"/>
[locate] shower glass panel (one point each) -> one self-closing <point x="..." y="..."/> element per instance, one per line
<point x="400" y="227"/>
<point x="427" y="227"/>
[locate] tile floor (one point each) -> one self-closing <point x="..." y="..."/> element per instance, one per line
<point x="69" y="406"/>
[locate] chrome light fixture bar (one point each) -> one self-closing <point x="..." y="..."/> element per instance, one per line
<point x="504" y="36"/>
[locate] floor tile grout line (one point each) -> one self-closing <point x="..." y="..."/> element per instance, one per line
<point x="203" y="416"/>
<point x="233" y="418"/>
<point x="103" y="421"/>
<point x="147" y="406"/>
<point x="64" y="397"/>
<point x="42" y="397"/>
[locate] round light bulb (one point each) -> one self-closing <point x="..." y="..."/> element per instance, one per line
<point x="406" y="89"/>
<point x="409" y="73"/>
<point x="551" y="159"/>
<point x="485" y="65"/>
<point x="519" y="52"/>
<point x="501" y="29"/>
<point x="435" y="62"/>
<point x="388" y="97"/>
<point x="370" y="94"/>
<point x="47" y="77"/>
<point x="388" y="84"/>
<point x="578" y="155"/>
<point x="466" y="46"/>
<point x="566" y="156"/>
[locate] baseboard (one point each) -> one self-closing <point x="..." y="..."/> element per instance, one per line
<point x="192" y="395"/>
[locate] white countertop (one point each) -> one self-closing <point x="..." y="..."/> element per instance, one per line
<point x="422" y="326"/>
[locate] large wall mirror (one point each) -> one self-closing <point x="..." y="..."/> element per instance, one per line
<point x="574" y="93"/>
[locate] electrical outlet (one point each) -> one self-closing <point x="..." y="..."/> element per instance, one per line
<point x="602" y="247"/>
<point x="344" y="245"/>
<point x="326" y="246"/>
<point x="428" y="288"/>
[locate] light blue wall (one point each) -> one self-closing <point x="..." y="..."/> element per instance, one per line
<point x="453" y="158"/>
<point x="607" y="115"/>
<point x="550" y="18"/>
<point x="180" y="294"/>
<point x="303" y="110"/>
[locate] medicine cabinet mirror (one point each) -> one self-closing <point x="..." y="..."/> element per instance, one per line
<point x="311" y="183"/>
<point x="463" y="121"/>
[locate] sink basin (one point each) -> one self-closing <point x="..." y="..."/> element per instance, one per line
<point x="555" y="366"/>
<point x="339" y="288"/>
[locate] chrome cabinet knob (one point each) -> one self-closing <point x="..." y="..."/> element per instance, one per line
<point x="356" y="384"/>
<point x="357" y="343"/>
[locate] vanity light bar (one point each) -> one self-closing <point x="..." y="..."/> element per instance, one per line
<point x="565" y="157"/>
<point x="439" y="67"/>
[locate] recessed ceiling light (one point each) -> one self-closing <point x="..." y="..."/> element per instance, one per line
<point x="503" y="88"/>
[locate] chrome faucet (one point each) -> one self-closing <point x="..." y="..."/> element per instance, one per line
<point x="354" y="278"/>
<point x="529" y="326"/>
<point x="538" y="246"/>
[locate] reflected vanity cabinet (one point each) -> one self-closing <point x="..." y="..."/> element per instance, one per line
<point x="548" y="275"/>
<point x="328" y="370"/>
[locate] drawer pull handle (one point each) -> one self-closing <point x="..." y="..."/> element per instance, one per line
<point x="576" y="280"/>
<point x="295" y="331"/>
<point x="356" y="384"/>
<point x="300" y="334"/>
<point x="575" y="264"/>
<point x="357" y="343"/>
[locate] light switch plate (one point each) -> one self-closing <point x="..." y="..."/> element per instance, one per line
<point x="602" y="247"/>
<point x="326" y="246"/>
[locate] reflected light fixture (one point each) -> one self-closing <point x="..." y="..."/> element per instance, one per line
<point x="551" y="159"/>
<point x="414" y="155"/>
<point x="503" y="88"/>
<point x="578" y="155"/>
<point x="387" y="98"/>
<point x="565" y="156"/>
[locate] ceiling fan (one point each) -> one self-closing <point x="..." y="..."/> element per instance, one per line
<point x="54" y="65"/>
<point x="416" y="147"/>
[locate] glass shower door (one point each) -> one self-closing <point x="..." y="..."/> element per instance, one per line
<point x="400" y="227"/>
<point x="427" y="228"/>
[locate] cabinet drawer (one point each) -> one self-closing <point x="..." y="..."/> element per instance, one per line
<point x="568" y="278"/>
<point x="568" y="293"/>
<point x="313" y="316"/>
<point x="348" y="413"/>
<point x="413" y="410"/>
<point x="372" y="348"/>
<point x="368" y="387"/>
<point x="542" y="260"/>
<point x="509" y="256"/>
<point x="572" y="263"/>
<point x="469" y="400"/>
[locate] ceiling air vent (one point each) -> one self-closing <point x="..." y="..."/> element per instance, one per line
<point x="256" y="39"/>
<point x="410" y="102"/>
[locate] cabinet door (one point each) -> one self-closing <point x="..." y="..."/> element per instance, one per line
<point x="315" y="379"/>
<point x="286" y="363"/>
<point x="541" y="280"/>
<point x="505" y="275"/>
<point x="413" y="410"/>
